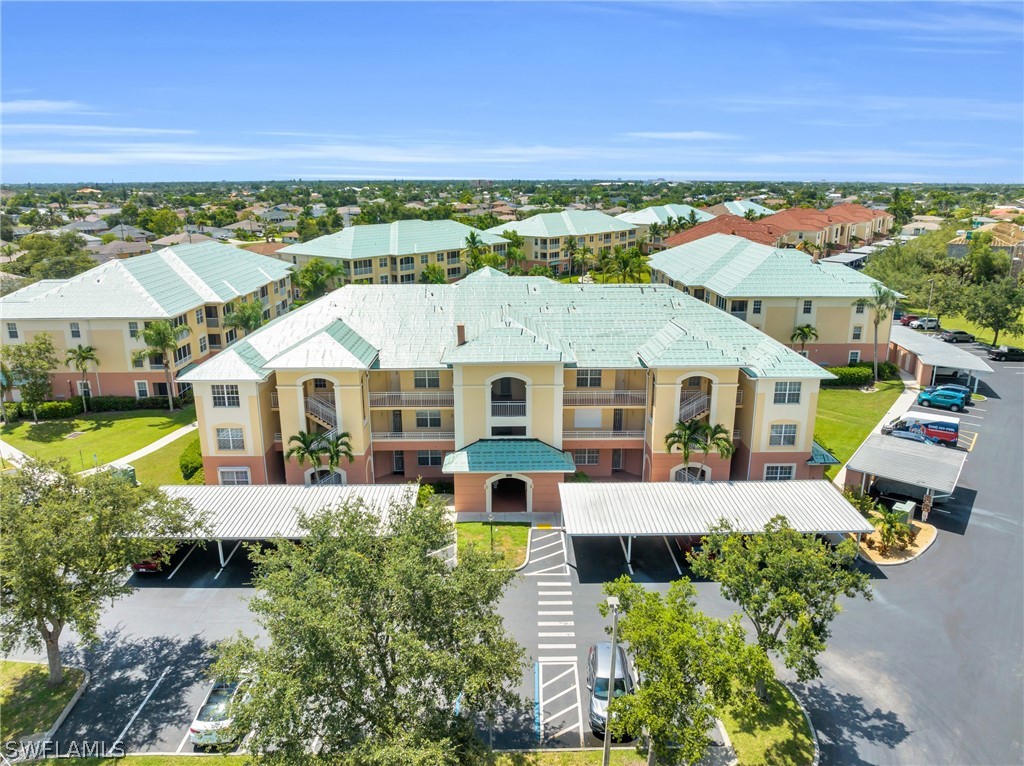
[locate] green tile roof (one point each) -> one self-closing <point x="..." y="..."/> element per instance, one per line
<point x="398" y="238"/>
<point x="508" y="456"/>
<point x="661" y="213"/>
<point x="569" y="222"/>
<point x="735" y="267"/>
<point x="821" y="456"/>
<point x="741" y="206"/>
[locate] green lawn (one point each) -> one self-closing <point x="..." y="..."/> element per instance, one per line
<point x="776" y="734"/>
<point x="29" y="705"/>
<point x="107" y="435"/>
<point x="846" y="416"/>
<point x="161" y="467"/>
<point x="957" y="322"/>
<point x="509" y="538"/>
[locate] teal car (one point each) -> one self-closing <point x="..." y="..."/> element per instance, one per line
<point x="944" y="398"/>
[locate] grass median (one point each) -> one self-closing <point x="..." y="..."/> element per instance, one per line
<point x="29" y="705"/>
<point x="163" y="466"/>
<point x="847" y="415"/>
<point x="775" y="734"/>
<point x="509" y="539"/>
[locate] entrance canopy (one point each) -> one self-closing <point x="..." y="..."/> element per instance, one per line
<point x="508" y="456"/>
<point x="908" y="462"/>
<point x="265" y="511"/>
<point x="670" y="509"/>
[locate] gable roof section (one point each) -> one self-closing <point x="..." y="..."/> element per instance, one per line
<point x="661" y="213"/>
<point x="508" y="456"/>
<point x="337" y="346"/>
<point x="567" y="223"/>
<point x="737" y="268"/>
<point x="408" y="237"/>
<point x="761" y="231"/>
<point x="739" y="207"/>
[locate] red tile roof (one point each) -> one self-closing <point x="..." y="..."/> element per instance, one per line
<point x="853" y="213"/>
<point x="760" y="231"/>
<point x="800" y="219"/>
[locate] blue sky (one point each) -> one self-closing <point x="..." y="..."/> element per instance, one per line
<point x="876" y="91"/>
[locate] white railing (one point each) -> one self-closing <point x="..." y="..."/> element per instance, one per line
<point x="508" y="409"/>
<point x="212" y="321"/>
<point x="623" y="398"/>
<point x="419" y="436"/>
<point x="602" y="434"/>
<point x="328" y="478"/>
<point x="693" y="405"/>
<point x="273" y="400"/>
<point x="321" y="408"/>
<point x="412" y="399"/>
<point x="325" y="437"/>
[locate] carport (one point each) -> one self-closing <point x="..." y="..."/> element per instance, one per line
<point x="627" y="510"/>
<point x="268" y="511"/>
<point x="925" y="357"/>
<point x="910" y="467"/>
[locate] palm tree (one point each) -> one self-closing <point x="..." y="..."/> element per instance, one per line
<point x="306" y="445"/>
<point x="514" y="257"/>
<point x="621" y="262"/>
<point x="803" y="334"/>
<point x="693" y="220"/>
<point x="882" y="302"/>
<point x="586" y="258"/>
<point x="161" y="339"/>
<point x="890" y="526"/>
<point x="717" y="438"/>
<point x="569" y="248"/>
<point x="655" y="231"/>
<point x="673" y="225"/>
<point x="246" y="315"/>
<point x="687" y="436"/>
<point x="80" y="357"/>
<point x="335" y="448"/>
<point x="6" y="386"/>
<point x="473" y="252"/>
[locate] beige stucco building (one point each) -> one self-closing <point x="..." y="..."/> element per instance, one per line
<point x="545" y="236"/>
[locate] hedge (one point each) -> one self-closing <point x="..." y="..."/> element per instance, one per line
<point x="850" y="376"/>
<point x="69" y="408"/>
<point x="191" y="459"/>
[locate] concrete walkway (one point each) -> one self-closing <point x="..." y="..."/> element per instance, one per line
<point x="11" y="454"/>
<point x="149" y="448"/>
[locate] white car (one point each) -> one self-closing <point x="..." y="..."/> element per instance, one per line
<point x="925" y="323"/>
<point x="212" y="724"/>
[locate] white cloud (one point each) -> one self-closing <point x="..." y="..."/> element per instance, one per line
<point x="683" y="135"/>
<point x="88" y="130"/>
<point x="44" y="106"/>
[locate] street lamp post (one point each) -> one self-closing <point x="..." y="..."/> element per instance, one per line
<point x="613" y="602"/>
<point x="931" y="291"/>
<point x="490" y="522"/>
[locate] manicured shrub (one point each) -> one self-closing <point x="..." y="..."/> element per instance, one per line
<point x="111" y="403"/>
<point x="12" y="411"/>
<point x="849" y="376"/>
<point x="191" y="460"/>
<point x="57" y="410"/>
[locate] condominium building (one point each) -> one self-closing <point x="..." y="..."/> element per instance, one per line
<point x="662" y="215"/>
<point x="739" y="207"/>
<point x="777" y="290"/>
<point x="545" y="236"/>
<point x="507" y="385"/>
<point x="761" y="231"/>
<point x="394" y="253"/>
<point x="838" y="226"/>
<point x="192" y="286"/>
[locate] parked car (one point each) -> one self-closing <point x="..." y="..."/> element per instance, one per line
<point x="956" y="336"/>
<point x="599" y="659"/>
<point x="939" y="429"/>
<point x="908" y="318"/>
<point x="914" y="436"/>
<point x="212" y="724"/>
<point x="151" y="565"/>
<point x="949" y="400"/>
<point x="925" y="323"/>
<point x="964" y="390"/>
<point x="1006" y="354"/>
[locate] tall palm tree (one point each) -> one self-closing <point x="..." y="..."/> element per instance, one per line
<point x="803" y="334"/>
<point x="621" y="262"/>
<point x="673" y="224"/>
<point x="569" y="249"/>
<point x="161" y="339"/>
<point x="586" y="257"/>
<point x="305" y="445"/>
<point x="655" y="231"/>
<point x="473" y="251"/>
<point x="6" y="386"/>
<point x="514" y="257"/>
<point x="718" y="439"/>
<point x="882" y="303"/>
<point x="246" y="315"/>
<point x="335" y="448"/>
<point x="80" y="357"/>
<point x="686" y="436"/>
<point x="693" y="220"/>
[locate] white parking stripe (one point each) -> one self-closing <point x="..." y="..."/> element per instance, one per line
<point x="555" y="623"/>
<point x="554" y="593"/>
<point x="549" y="556"/>
<point x="557" y="634"/>
<point x="184" y="741"/>
<point x="545" y="536"/>
<point x="182" y="561"/>
<point x="554" y="660"/>
<point x="542" y="547"/>
<point x="552" y="584"/>
<point x="120" y="737"/>
<point x="554" y="603"/>
<point x="555" y="613"/>
<point x="556" y="646"/>
<point x="561" y="675"/>
<point x="560" y="713"/>
<point x="561" y="693"/>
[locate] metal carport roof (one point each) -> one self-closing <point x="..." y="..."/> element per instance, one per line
<point x="642" y="509"/>
<point x="935" y="352"/>
<point x="264" y="511"/>
<point x="922" y="465"/>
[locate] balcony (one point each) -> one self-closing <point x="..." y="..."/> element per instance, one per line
<point x="412" y="399"/>
<point x="741" y="315"/>
<point x="274" y="405"/>
<point x="321" y="408"/>
<point x="508" y="409"/>
<point x="212" y="322"/>
<point x="623" y="398"/>
<point x="416" y="436"/>
<point x="602" y="435"/>
<point x="694" y="405"/>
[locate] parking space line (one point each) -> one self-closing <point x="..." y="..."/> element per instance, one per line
<point x="557" y="646"/>
<point x="552" y="584"/>
<point x="555" y="623"/>
<point x="561" y="694"/>
<point x="557" y="634"/>
<point x="560" y="676"/>
<point x="554" y="603"/>
<point x="184" y="740"/>
<point x="554" y="593"/>
<point x="551" y="718"/>
<point x="549" y="556"/>
<point x="228" y="559"/>
<point x="548" y="536"/>
<point x="120" y="737"/>
<point x="549" y="613"/>
<point x="563" y="660"/>
<point x="542" y="547"/>
<point x="182" y="561"/>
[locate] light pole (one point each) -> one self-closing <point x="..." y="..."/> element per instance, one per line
<point x="931" y="291"/>
<point x="613" y="602"/>
<point x="490" y="522"/>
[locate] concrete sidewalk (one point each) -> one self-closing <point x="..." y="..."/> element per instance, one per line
<point x="11" y="454"/>
<point x="149" y="448"/>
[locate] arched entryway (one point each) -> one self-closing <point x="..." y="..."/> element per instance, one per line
<point x="509" y="494"/>
<point x="324" y="475"/>
<point x="694" y="472"/>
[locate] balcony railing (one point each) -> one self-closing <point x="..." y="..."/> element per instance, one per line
<point x="322" y="408"/>
<point x="212" y="321"/>
<point x="739" y="315"/>
<point x="693" y="405"/>
<point x="325" y="437"/>
<point x="412" y="399"/>
<point x="418" y="436"/>
<point x="508" y="409"/>
<point x="328" y="478"/>
<point x="623" y="398"/>
<point x="602" y="434"/>
<point x="273" y="401"/>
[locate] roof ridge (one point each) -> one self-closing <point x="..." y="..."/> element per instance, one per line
<point x="190" y="277"/>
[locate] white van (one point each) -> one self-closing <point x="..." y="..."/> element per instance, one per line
<point x="945" y="429"/>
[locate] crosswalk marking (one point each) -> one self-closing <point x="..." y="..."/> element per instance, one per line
<point x="555" y="613"/>
<point x="555" y="603"/>
<point x="557" y="634"/>
<point x="555" y="623"/>
<point x="557" y="646"/>
<point x="555" y="593"/>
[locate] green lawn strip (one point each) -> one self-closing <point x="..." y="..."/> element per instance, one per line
<point x="108" y="435"/>
<point x="620" y="757"/>
<point x="846" y="416"/>
<point x="29" y="705"/>
<point x="162" y="467"/>
<point x="776" y="734"/>
<point x="509" y="539"/>
<point x="983" y="335"/>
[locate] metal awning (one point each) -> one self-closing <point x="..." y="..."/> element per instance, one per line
<point x="935" y="352"/>
<point x="921" y="465"/>
<point x="509" y="456"/>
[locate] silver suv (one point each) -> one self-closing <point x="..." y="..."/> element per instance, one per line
<point x="599" y="659"/>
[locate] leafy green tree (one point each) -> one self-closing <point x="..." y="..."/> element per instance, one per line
<point x="433" y="274"/>
<point x="405" y="648"/>
<point x="6" y="386"/>
<point x="802" y="334"/>
<point x="943" y="293"/>
<point x="540" y="270"/>
<point x="901" y="206"/>
<point x="997" y="306"/>
<point x="161" y="339"/>
<point x="882" y="303"/>
<point x="80" y="358"/>
<point x="987" y="264"/>
<point x="47" y="256"/>
<point x="317" y="275"/>
<point x="245" y="315"/>
<point x="655" y="231"/>
<point x="161" y="221"/>
<point x="66" y="544"/>
<point x="787" y="584"/>
<point x="474" y="251"/>
<point x="31" y="366"/>
<point x="690" y="667"/>
<point x="687" y="436"/>
<point x="306" y="228"/>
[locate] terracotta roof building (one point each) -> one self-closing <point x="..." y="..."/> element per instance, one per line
<point x="761" y="231"/>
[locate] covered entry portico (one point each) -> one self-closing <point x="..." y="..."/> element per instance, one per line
<point x="674" y="509"/>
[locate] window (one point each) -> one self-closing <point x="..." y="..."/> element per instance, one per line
<point x="179" y="321"/>
<point x="230" y="335"/>
<point x="508" y="431"/>
<point x="133" y="329"/>
<point x="266" y="315"/>
<point x="264" y="292"/>
<point x="698" y="293"/>
<point x="778" y="473"/>
<point x="588" y="378"/>
<point x="76" y="331"/>
<point x="424" y="259"/>
<point x="406" y="279"/>
<point x="138" y="363"/>
<point x="857" y="331"/>
<point x="141" y="389"/>
<point x="426" y="379"/>
<point x="407" y="263"/>
<point x="738" y="307"/>
<point x="281" y="283"/>
<point x="426" y="457"/>
<point x="233" y="476"/>
<point x="854" y="357"/>
<point x="440" y="257"/>
<point x="787" y="392"/>
<point x="808" y="305"/>
<point x="320" y="383"/>
<point x="200" y="316"/>
<point x="720" y="303"/>
<point x="757" y="307"/>
<point x="214" y="339"/>
<point x="428" y="418"/>
<point x="225" y="395"/>
<point x="454" y="271"/>
<point x="183" y="354"/>
<point x="230" y="438"/>
<point x="859" y="308"/>
<point x="783" y="435"/>
<point x="83" y="388"/>
<point x="202" y="344"/>
<point x="586" y="456"/>
<point x="382" y="262"/>
<point x="12" y="330"/>
<point x="383" y="279"/>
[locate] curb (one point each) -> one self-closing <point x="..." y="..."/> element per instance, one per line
<point x="814" y="734"/>
<point x="52" y="731"/>
<point x="915" y="557"/>
<point x="529" y="545"/>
